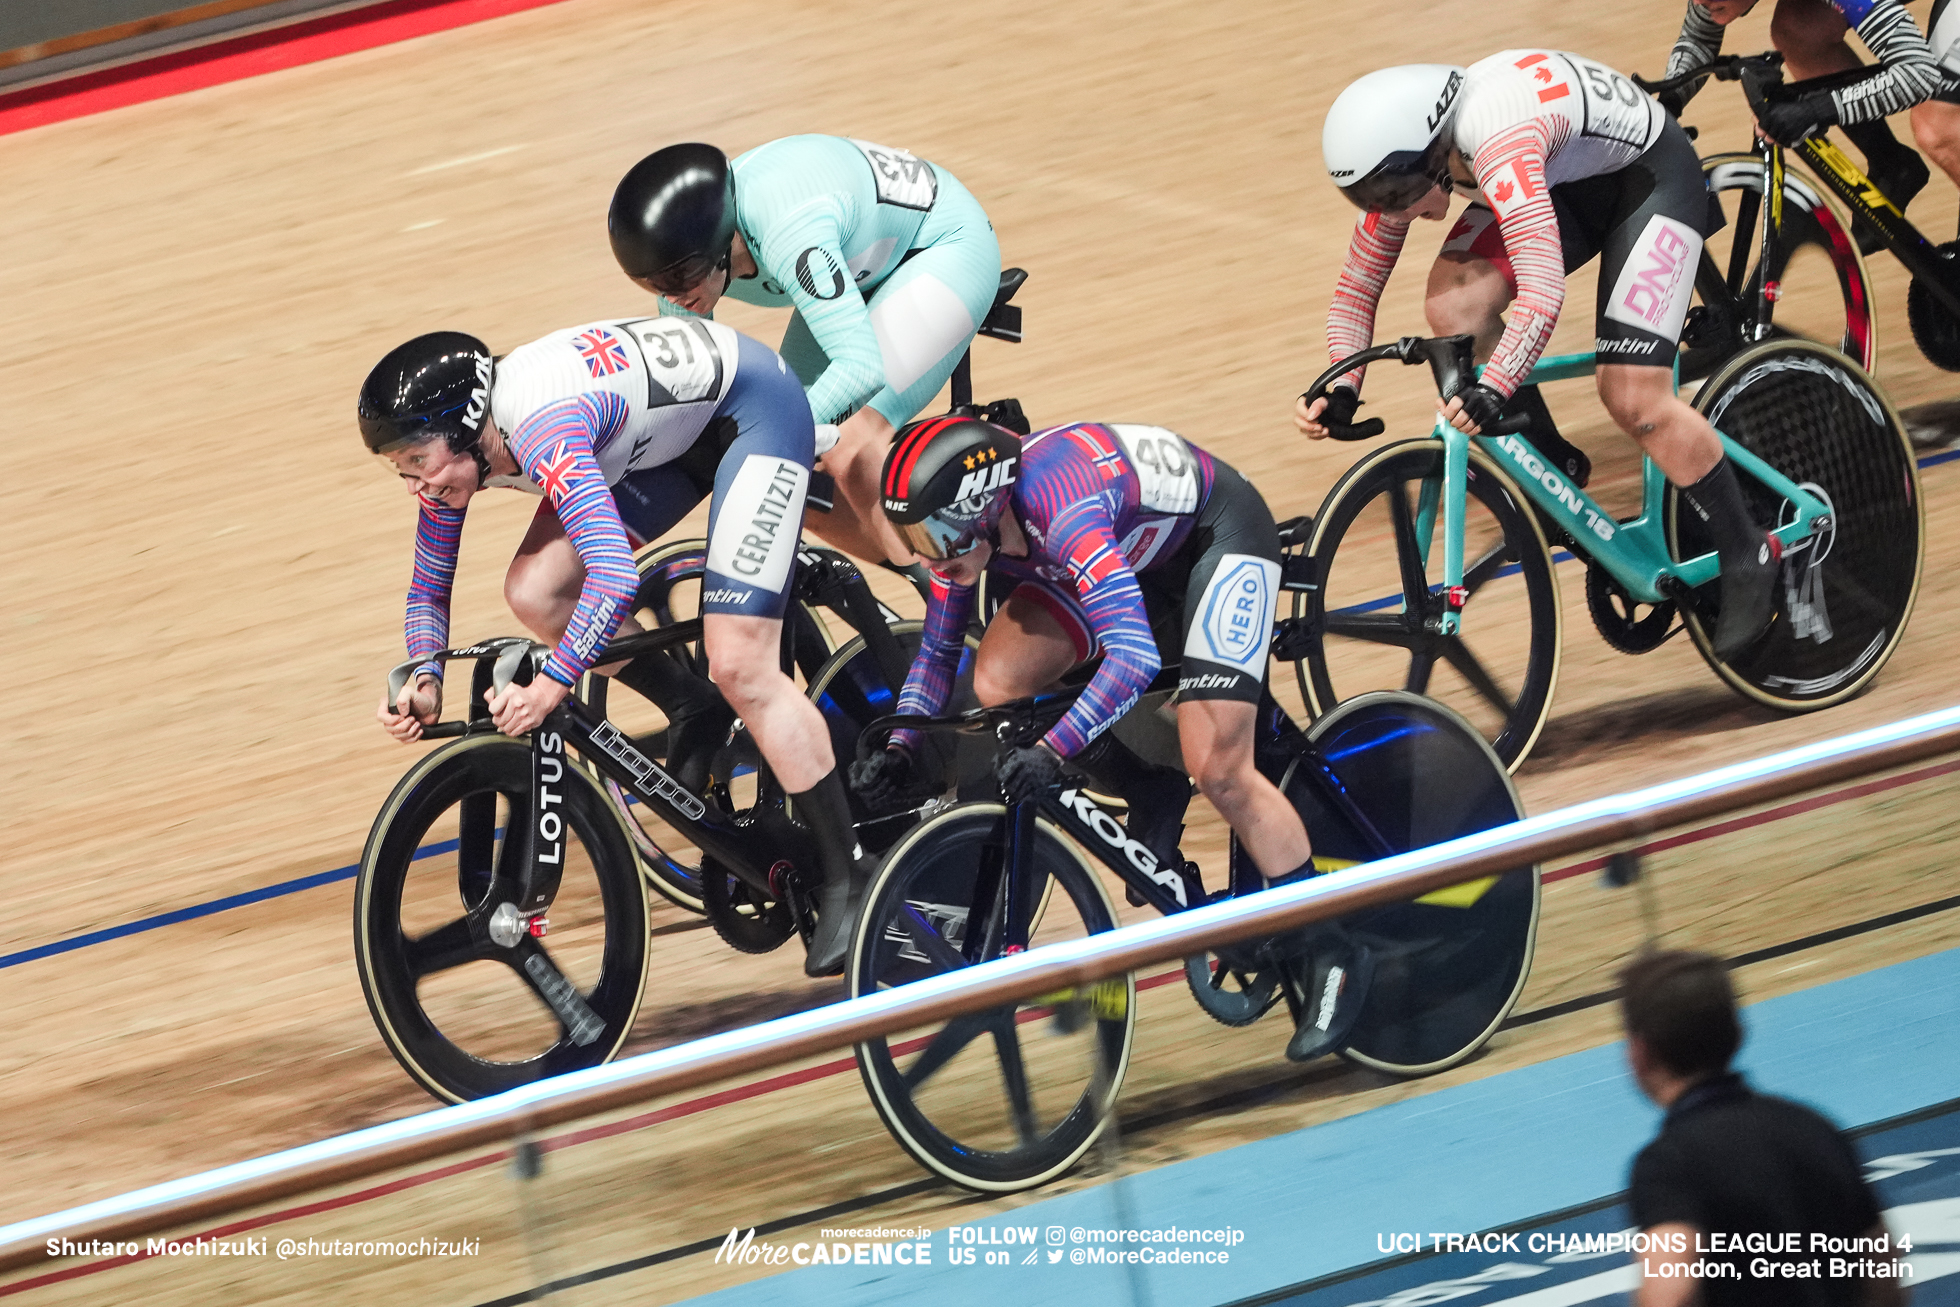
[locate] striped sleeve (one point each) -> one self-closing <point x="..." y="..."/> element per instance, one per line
<point x="1371" y="254"/>
<point x="1909" y="74"/>
<point x="1084" y="538"/>
<point x="1510" y="168"/>
<point x="438" y="538"/>
<point x="1699" y="42"/>
<point x="929" y="683"/>
<point x="554" y="447"/>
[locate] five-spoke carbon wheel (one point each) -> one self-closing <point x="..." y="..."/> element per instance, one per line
<point x="1847" y="592"/>
<point x="1010" y="1097"/>
<point x="1377" y="547"/>
<point x="466" y="1014"/>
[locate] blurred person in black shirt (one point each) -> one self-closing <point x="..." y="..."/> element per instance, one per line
<point x="1743" y="1198"/>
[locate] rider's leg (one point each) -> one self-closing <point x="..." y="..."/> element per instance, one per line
<point x="1216" y="738"/>
<point x="744" y="659"/>
<point x="1936" y="126"/>
<point x="1689" y="453"/>
<point x="1810" y="35"/>
<point x="1469" y="287"/>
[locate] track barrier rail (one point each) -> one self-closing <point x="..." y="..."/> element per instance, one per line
<point x="1615" y="821"/>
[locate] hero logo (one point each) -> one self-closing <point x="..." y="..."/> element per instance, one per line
<point x="1445" y="100"/>
<point x="548" y="772"/>
<point x="1107" y="829"/>
<point x="1534" y="467"/>
<point x="985" y="479"/>
<point x="480" y="396"/>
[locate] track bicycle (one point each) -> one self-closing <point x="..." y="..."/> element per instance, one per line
<point x="1824" y="464"/>
<point x="1001" y="1099"/>
<point x="450" y="934"/>
<point x="1740" y="304"/>
<point x="854" y="661"/>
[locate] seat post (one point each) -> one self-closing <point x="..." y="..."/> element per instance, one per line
<point x="963" y="382"/>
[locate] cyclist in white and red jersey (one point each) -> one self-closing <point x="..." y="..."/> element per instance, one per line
<point x="1810" y="35"/>
<point x="1568" y="160"/>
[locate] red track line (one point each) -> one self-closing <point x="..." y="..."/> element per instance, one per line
<point x="244" y="56"/>
<point x="824" y="1070"/>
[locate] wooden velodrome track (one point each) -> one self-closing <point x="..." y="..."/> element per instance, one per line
<point x="203" y="572"/>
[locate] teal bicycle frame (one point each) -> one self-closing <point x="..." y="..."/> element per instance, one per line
<point x="1634" y="553"/>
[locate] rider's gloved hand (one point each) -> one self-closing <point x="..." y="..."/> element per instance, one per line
<point x="1788" y="121"/>
<point x="1028" y="770"/>
<point x="879" y="778"/>
<point x="1674" y="101"/>
<point x="1475" y="408"/>
<point x="1334" y="409"/>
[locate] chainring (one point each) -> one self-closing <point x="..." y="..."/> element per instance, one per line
<point x="1934" y="328"/>
<point x="1616" y="614"/>
<point x="1240" y="998"/>
<point x="745" y="920"/>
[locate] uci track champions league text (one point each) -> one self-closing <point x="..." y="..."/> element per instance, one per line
<point x="989" y="1245"/>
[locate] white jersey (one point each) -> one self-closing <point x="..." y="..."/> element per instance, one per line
<point x="1595" y="120"/>
<point x="672" y="374"/>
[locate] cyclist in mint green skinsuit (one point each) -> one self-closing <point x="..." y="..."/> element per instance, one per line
<point x="889" y="263"/>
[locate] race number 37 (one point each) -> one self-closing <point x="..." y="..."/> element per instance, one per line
<point x="901" y="177"/>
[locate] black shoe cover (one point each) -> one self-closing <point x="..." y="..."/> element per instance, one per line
<point x="838" y="904"/>
<point x="1748" y="600"/>
<point x="1333" y="976"/>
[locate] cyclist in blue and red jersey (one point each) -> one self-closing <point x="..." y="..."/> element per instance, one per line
<point x="622" y="427"/>
<point x="1810" y="35"/>
<point x="1099" y="528"/>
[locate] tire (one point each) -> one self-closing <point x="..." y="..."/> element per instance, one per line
<point x="1449" y="966"/>
<point x="1368" y="558"/>
<point x="478" y="1024"/>
<point x="1817" y="418"/>
<point x="946" y="1106"/>
<point x="1826" y="295"/>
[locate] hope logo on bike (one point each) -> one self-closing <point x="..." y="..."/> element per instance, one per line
<point x="1236" y="615"/>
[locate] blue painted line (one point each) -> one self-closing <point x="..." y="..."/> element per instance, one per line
<point x="1491" y="1153"/>
<point x="195" y="911"/>
<point x="345" y="873"/>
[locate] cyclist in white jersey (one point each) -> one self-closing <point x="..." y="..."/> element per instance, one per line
<point x="1566" y="159"/>
<point x="623" y="427"/>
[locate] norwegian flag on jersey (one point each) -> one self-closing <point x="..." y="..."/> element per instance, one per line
<point x="1108" y="459"/>
<point x="556" y="475"/>
<point x="1093" y="561"/>
<point x="602" y="352"/>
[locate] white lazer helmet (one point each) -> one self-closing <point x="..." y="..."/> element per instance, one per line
<point x="1387" y="136"/>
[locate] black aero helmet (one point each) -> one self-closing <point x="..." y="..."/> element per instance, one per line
<point x="435" y="386"/>
<point x="673" y="216"/>
<point x="946" y="482"/>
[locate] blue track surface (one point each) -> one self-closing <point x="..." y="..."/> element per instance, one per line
<point x="1494" y="1153"/>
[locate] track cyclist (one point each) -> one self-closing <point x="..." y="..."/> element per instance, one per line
<point x="1099" y="528"/>
<point x="623" y="427"/>
<point x="889" y="263"/>
<point x="1810" y="35"/>
<point x="1570" y="161"/>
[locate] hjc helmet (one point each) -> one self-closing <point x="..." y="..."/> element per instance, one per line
<point x="946" y="482"/>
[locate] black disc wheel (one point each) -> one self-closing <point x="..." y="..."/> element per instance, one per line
<point x="1935" y="327"/>
<point x="1819" y="278"/>
<point x="467" y="1004"/>
<point x="1377" y="548"/>
<point x="1010" y="1097"/>
<point x="1847" y="592"/>
<point x="1450" y="965"/>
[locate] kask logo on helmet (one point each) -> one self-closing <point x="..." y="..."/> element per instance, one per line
<point x="480" y="396"/>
